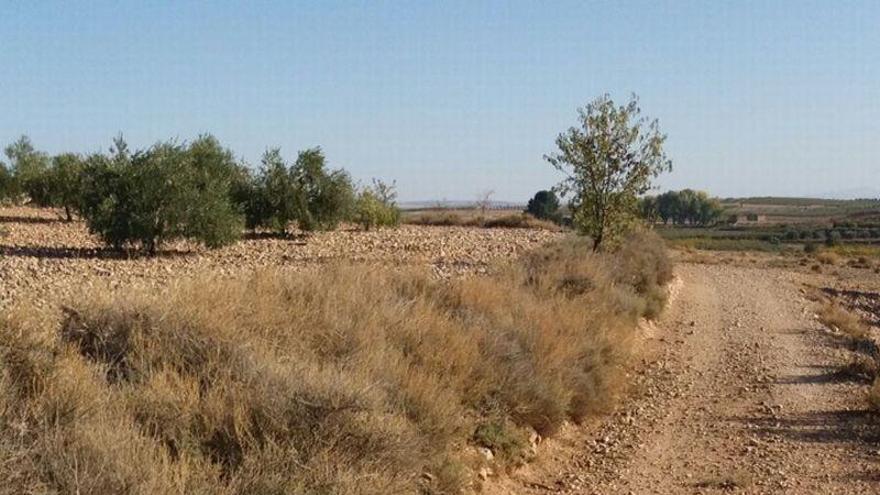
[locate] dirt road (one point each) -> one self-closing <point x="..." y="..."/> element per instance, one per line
<point x="739" y="393"/>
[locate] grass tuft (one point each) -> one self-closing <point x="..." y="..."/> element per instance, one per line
<point x="837" y="318"/>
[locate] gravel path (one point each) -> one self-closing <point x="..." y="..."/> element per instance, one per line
<point x="739" y="394"/>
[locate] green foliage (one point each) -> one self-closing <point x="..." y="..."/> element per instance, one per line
<point x="504" y="439"/>
<point x="29" y="168"/>
<point x="166" y="192"/>
<point x="376" y="206"/>
<point x="270" y="199"/>
<point x="8" y="186"/>
<point x="65" y="183"/>
<point x="305" y="193"/>
<point x="685" y="207"/>
<point x="609" y="161"/>
<point x="545" y="206"/>
<point x="325" y="198"/>
<point x="832" y="238"/>
<point x="648" y="208"/>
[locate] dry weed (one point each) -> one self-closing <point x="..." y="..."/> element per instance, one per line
<point x="349" y="381"/>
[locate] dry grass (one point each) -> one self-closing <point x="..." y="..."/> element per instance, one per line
<point x="866" y="251"/>
<point x="453" y="218"/>
<point x="874" y="395"/>
<point x="837" y="318"/>
<point x="828" y="258"/>
<point x="347" y="381"/>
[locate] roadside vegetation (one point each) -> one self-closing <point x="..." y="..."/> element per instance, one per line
<point x="349" y="380"/>
<point x="864" y="363"/>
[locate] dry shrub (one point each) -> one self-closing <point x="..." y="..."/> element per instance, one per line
<point x="347" y="381"/>
<point x="837" y="318"/>
<point x="874" y="395"/>
<point x="828" y="258"/>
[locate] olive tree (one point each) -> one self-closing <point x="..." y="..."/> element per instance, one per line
<point x="64" y="179"/>
<point x="276" y="198"/>
<point x="166" y="192"/>
<point x="326" y="198"/>
<point x="7" y="184"/>
<point x="29" y="168"/>
<point x="609" y="160"/>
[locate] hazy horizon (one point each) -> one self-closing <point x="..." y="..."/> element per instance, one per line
<point x="452" y="99"/>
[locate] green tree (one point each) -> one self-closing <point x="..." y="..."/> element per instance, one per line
<point x="609" y="161"/>
<point x="8" y="187"/>
<point x="29" y="168"/>
<point x="648" y="209"/>
<point x="376" y="206"/>
<point x="278" y="197"/>
<point x="709" y="210"/>
<point x="544" y="205"/>
<point x="325" y="198"/>
<point x="166" y="192"/>
<point x="65" y="183"/>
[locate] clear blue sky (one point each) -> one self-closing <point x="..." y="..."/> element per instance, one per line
<point x="453" y="98"/>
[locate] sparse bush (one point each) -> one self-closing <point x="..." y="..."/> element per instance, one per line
<point x="811" y="248"/>
<point x="313" y="383"/>
<point x="505" y="440"/>
<point x="376" y="206"/>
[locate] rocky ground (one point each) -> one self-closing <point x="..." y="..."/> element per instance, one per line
<point x="44" y="260"/>
<point x="740" y="391"/>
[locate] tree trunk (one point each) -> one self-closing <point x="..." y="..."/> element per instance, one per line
<point x="597" y="241"/>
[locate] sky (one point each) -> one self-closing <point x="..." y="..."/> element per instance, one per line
<point x="455" y="98"/>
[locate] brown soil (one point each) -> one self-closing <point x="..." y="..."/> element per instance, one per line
<point x="44" y="260"/>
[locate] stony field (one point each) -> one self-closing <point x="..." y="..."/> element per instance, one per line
<point x="44" y="260"/>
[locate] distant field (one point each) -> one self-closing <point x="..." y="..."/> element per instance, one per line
<point x="803" y="210"/>
<point x="778" y="223"/>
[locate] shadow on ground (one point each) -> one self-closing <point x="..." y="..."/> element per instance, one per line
<point x="86" y="253"/>
<point x="30" y="220"/>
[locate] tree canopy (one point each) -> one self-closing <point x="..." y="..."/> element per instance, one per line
<point x="609" y="160"/>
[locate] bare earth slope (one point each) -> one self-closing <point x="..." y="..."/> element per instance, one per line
<point x="739" y="393"/>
